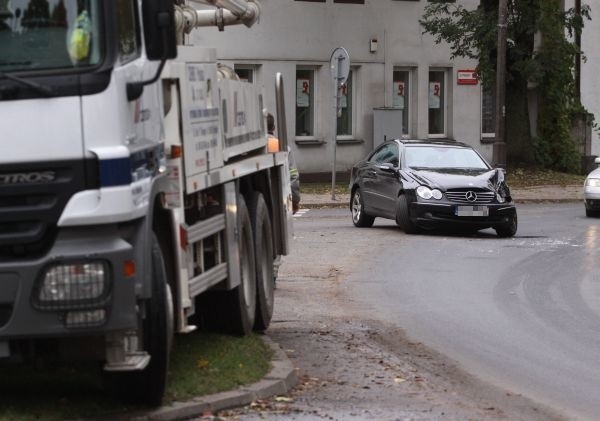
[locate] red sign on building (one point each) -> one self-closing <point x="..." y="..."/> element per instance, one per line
<point x="466" y="77"/>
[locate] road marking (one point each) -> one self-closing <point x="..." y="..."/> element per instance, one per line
<point x="300" y="213"/>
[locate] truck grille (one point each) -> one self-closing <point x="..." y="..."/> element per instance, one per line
<point x="471" y="196"/>
<point x="31" y="204"/>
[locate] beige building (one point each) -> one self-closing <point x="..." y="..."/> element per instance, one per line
<point x="394" y="66"/>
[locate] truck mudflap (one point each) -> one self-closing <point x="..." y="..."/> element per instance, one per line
<point x="83" y="285"/>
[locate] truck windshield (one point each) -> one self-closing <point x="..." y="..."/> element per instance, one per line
<point x="49" y="34"/>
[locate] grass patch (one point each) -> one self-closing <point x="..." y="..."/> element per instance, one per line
<point x="210" y="363"/>
<point x="201" y="364"/>
<point x="531" y="177"/>
<point x="323" y="188"/>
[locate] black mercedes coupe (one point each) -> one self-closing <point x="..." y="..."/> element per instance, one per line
<point x="431" y="184"/>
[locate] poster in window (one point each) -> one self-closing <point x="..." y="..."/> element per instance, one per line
<point x="435" y="93"/>
<point x="398" y="95"/>
<point x="344" y="96"/>
<point x="303" y="93"/>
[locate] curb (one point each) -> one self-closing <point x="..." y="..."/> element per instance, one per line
<point x="280" y="380"/>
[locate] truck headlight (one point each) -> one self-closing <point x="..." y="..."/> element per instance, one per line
<point x="73" y="283"/>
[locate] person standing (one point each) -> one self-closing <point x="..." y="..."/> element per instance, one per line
<point x="273" y="146"/>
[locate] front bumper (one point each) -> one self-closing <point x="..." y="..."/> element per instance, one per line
<point x="435" y="214"/>
<point x="591" y="197"/>
<point x="20" y="317"/>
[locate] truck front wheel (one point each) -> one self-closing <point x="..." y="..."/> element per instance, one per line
<point x="148" y="386"/>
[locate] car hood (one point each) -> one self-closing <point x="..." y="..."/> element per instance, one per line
<point x="452" y="178"/>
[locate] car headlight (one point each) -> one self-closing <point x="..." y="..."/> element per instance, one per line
<point x="500" y="198"/>
<point x="427" y="193"/>
<point x="592" y="182"/>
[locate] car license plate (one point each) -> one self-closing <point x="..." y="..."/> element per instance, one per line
<point x="471" y="211"/>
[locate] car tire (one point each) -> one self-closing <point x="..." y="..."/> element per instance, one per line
<point x="357" y="207"/>
<point x="403" y="216"/>
<point x="591" y="213"/>
<point x="508" y="230"/>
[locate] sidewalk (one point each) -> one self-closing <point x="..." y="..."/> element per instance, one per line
<point x="537" y="194"/>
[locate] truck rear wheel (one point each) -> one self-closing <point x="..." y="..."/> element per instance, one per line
<point x="234" y="311"/>
<point x="263" y="250"/>
<point x="148" y="386"/>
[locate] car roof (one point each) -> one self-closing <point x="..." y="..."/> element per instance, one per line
<point x="433" y="142"/>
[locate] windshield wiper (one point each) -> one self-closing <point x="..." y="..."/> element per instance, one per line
<point x="40" y="88"/>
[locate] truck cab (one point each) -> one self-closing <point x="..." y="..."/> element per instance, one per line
<point x="116" y="226"/>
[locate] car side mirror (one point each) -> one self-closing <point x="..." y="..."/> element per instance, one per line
<point x="388" y="167"/>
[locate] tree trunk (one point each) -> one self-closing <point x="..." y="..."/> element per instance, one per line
<point x="518" y="133"/>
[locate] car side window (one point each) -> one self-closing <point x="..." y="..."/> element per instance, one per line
<point x="387" y="153"/>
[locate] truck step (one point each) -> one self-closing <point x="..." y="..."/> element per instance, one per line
<point x="132" y="361"/>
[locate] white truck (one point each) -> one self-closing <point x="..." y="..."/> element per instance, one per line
<point x="137" y="196"/>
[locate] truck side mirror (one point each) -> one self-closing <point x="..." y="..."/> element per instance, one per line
<point x="160" y="37"/>
<point x="159" y="29"/>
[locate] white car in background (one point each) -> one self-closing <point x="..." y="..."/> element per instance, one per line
<point x="591" y="192"/>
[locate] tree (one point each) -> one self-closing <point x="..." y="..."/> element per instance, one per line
<point x="549" y="65"/>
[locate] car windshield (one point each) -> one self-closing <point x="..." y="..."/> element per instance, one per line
<point x="436" y="157"/>
<point x="49" y="34"/>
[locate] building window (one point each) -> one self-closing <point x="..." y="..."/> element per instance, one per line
<point x="305" y="108"/>
<point x="437" y="103"/>
<point x="344" y="121"/>
<point x="488" y="111"/>
<point x="246" y="74"/>
<point x="401" y="96"/>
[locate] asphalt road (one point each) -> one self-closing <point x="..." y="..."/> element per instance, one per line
<point x="384" y="325"/>
<point x="521" y="313"/>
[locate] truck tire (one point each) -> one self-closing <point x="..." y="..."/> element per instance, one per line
<point x="263" y="251"/>
<point x="234" y="311"/>
<point x="148" y="386"/>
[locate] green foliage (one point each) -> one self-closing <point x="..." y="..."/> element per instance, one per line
<point x="554" y="147"/>
<point x="473" y="34"/>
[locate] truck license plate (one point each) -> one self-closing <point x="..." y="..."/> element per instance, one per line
<point x="471" y="211"/>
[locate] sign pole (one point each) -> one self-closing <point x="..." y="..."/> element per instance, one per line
<point x="336" y="91"/>
<point x="340" y="69"/>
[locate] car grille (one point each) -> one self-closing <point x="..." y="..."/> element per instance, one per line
<point x="29" y="211"/>
<point x="471" y="196"/>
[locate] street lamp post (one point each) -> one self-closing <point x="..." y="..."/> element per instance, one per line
<point x="499" y="151"/>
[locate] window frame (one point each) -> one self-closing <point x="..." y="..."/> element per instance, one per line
<point x="444" y="107"/>
<point x="487" y="136"/>
<point x="313" y="102"/>
<point x="353" y="77"/>
<point x="253" y="69"/>
<point x="408" y="97"/>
